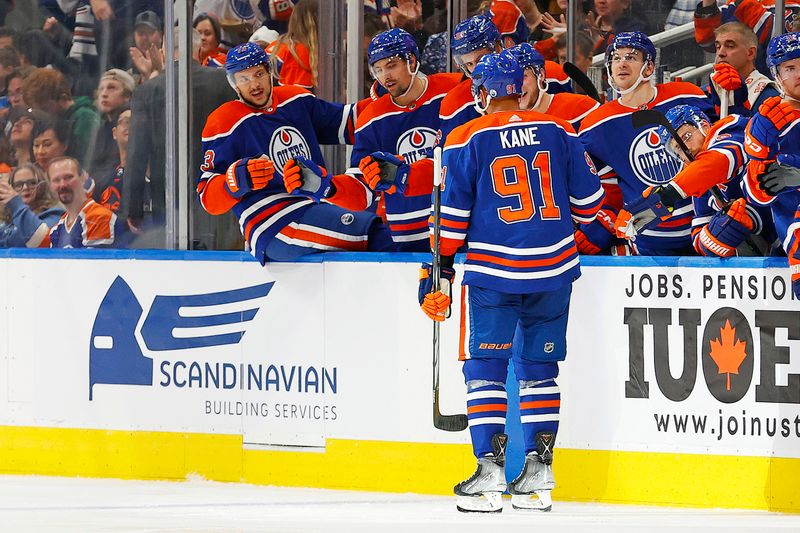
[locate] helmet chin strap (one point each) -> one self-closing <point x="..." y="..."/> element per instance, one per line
<point x="413" y="78"/>
<point x="542" y="84"/>
<point x="784" y="94"/>
<point x="639" y="80"/>
<point x="478" y="107"/>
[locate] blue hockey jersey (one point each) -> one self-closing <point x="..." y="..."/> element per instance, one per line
<point x="295" y="124"/>
<point x="410" y="132"/>
<point x="514" y="182"/>
<point x="786" y="205"/>
<point x="636" y="159"/>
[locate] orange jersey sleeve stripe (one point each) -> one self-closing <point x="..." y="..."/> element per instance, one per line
<point x="214" y="196"/>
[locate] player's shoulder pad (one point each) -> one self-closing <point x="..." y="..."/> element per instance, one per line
<point x="575" y="106"/>
<point x="730" y="127"/>
<point x="224" y="119"/>
<point x="374" y="110"/>
<point x="462" y="134"/>
<point x="677" y="89"/>
<point x="605" y="112"/>
<point x="445" y="81"/>
<point x="554" y="71"/>
<point x="456" y="98"/>
<point x="283" y="94"/>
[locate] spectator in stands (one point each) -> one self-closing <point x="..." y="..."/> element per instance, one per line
<point x="14" y="85"/>
<point x="583" y="50"/>
<point x="296" y="51"/>
<point x="211" y="52"/>
<point x="8" y="37"/>
<point x="735" y="70"/>
<point x="9" y="60"/>
<point x="109" y="185"/>
<point x="148" y="36"/>
<point x="682" y="12"/>
<point x="22" y="121"/>
<point x="113" y="95"/>
<point x="147" y="149"/>
<point x="613" y="18"/>
<point x="263" y="36"/>
<point x="27" y="208"/>
<point x="753" y="13"/>
<point x="51" y="139"/>
<point x="85" y="223"/>
<point x="47" y="89"/>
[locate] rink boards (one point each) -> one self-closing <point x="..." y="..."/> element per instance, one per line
<point x="681" y="387"/>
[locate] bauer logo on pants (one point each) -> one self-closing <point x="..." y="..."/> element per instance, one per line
<point x="172" y="323"/>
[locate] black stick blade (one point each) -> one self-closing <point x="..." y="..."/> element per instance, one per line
<point x="648" y="117"/>
<point x="449" y="422"/>
<point x="581" y="80"/>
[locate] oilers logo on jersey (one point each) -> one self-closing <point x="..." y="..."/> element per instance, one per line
<point x="650" y="161"/>
<point x="414" y="144"/>
<point x="287" y="142"/>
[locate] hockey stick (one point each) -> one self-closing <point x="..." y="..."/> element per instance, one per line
<point x="440" y="421"/>
<point x="581" y="80"/>
<point x="653" y="117"/>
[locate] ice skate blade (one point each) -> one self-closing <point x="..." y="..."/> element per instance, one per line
<point x="538" y="501"/>
<point x="487" y="502"/>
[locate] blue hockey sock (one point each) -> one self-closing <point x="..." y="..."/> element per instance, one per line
<point x="487" y="404"/>
<point x="539" y="405"/>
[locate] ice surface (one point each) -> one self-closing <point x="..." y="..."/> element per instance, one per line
<point x="33" y="503"/>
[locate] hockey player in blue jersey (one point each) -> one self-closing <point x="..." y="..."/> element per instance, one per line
<point x="630" y="160"/>
<point x="514" y="181"/>
<point x="262" y="161"/>
<point x="398" y="129"/>
<point x="772" y="140"/>
<point x="716" y="158"/>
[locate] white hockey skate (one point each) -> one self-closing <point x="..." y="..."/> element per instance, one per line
<point x="483" y="491"/>
<point x="531" y="489"/>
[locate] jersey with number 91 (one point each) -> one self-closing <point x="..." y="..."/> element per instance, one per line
<point x="514" y="183"/>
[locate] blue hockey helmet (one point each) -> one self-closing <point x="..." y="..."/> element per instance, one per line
<point x="678" y="116"/>
<point x="244" y="56"/>
<point x="782" y="48"/>
<point x="474" y="33"/>
<point x="391" y="43"/>
<point x="632" y="39"/>
<point x="527" y="56"/>
<point x="500" y="74"/>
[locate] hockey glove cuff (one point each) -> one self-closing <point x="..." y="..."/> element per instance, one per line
<point x="647" y="210"/>
<point x="248" y="174"/>
<point x="303" y="177"/>
<point x="725" y="231"/>
<point x="781" y="175"/>
<point x="385" y="172"/>
<point x="436" y="305"/>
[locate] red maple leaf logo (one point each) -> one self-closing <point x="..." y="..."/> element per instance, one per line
<point x="728" y="352"/>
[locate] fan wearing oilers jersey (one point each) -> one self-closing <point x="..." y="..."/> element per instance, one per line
<point x="772" y="139"/>
<point x="262" y="161"/>
<point x="716" y="158"/>
<point x="631" y="159"/>
<point x="514" y="181"/>
<point x="398" y="129"/>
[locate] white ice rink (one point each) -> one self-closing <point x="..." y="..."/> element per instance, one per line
<point x="29" y="503"/>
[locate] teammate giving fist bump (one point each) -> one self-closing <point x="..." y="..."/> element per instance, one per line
<point x="383" y="171"/>
<point x="302" y="176"/>
<point x="248" y="174"/>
